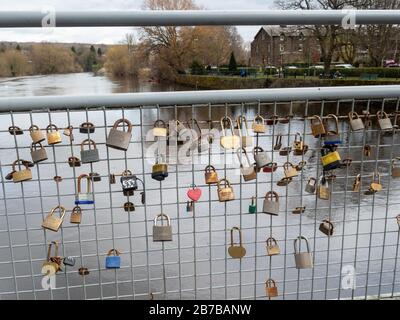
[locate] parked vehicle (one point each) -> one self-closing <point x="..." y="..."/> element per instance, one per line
<point x="344" y="66"/>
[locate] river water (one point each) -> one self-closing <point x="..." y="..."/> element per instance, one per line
<point x="366" y="237"/>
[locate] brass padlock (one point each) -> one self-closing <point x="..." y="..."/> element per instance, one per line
<point x="53" y="223"/>
<point x="323" y="191"/>
<point x="272" y="247"/>
<point x="285" y="151"/>
<point x="301" y="165"/>
<point x="53" y="135"/>
<point x="396" y="167"/>
<point x="51" y="266"/>
<point x="384" y="121"/>
<point x="92" y="154"/>
<point x="270" y="288"/>
<point x="247" y="170"/>
<point x="160" y="129"/>
<point x="289" y="170"/>
<point x="317" y="127"/>
<point x="355" y="121"/>
<point x="259" y="124"/>
<point x="225" y="193"/>
<point x="14" y="130"/>
<point x="311" y="185"/>
<point x="118" y="139"/>
<point x="284" y="182"/>
<point x="332" y="136"/>
<point x="326" y="227"/>
<point x="162" y="232"/>
<point x="375" y="185"/>
<point x="74" y="162"/>
<point x="271" y="203"/>
<point x="160" y="169"/>
<point x="129" y="207"/>
<point x="278" y="142"/>
<point x="245" y="137"/>
<point x="299" y="210"/>
<point x="76" y="215"/>
<point x="298" y="142"/>
<point x="38" y="154"/>
<point x="357" y="183"/>
<point x="22" y="175"/>
<point x="87" y="127"/>
<point x="68" y="132"/>
<point x="36" y="134"/>
<point x="236" y="251"/>
<point x="229" y="141"/>
<point x="303" y="260"/>
<point x="210" y="175"/>
<point x="367" y="150"/>
<point x="84" y="197"/>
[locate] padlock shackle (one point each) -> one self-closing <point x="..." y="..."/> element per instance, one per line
<point x="20" y="161"/>
<point x="225" y="120"/>
<point x="63" y="210"/>
<point x="312" y="179"/>
<point x="89" y="187"/>
<point x="287" y="164"/>
<point x="240" y="235"/>
<point x="376" y="177"/>
<point x="33" y="128"/>
<point x="353" y="115"/>
<point x="77" y="210"/>
<point x="239" y="153"/>
<point x="34" y="146"/>
<point x="253" y="200"/>
<point x="336" y="120"/>
<point x="328" y="222"/>
<point x="121" y="121"/>
<point x="259" y="119"/>
<point x="398" y="219"/>
<point x="126" y="173"/>
<point x="88" y="142"/>
<point x="382" y="115"/>
<point x="49" y="250"/>
<point x="210" y="169"/>
<point x="257" y="150"/>
<point x="298" y="134"/>
<point x="196" y="124"/>
<point x="316" y="118"/>
<point x="243" y="127"/>
<point x="278" y="139"/>
<point x="271" y="195"/>
<point x="270" y="241"/>
<point x="295" y="244"/>
<point x="227" y="184"/>
<point x="50" y="128"/>
<point x="162" y="215"/>
<point x="113" y="252"/>
<point x="270" y="283"/>
<point x="160" y="124"/>
<point x="87" y="125"/>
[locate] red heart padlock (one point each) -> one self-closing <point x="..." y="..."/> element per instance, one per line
<point x="194" y="193"/>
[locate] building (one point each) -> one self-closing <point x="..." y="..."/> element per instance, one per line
<point x="280" y="45"/>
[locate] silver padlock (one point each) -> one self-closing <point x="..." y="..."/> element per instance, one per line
<point x="384" y="121"/>
<point x="84" y="197"/>
<point x="261" y="157"/>
<point x="118" y="139"/>
<point x="247" y="170"/>
<point x="355" y="121"/>
<point x="271" y="203"/>
<point x="311" y="185"/>
<point x="90" y="155"/>
<point x="38" y="154"/>
<point x="69" y="261"/>
<point x="162" y="232"/>
<point x="243" y="130"/>
<point x="303" y="260"/>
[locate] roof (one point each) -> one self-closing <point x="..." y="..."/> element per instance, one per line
<point x="292" y="31"/>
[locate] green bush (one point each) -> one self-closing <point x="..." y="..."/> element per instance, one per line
<point x="354" y="72"/>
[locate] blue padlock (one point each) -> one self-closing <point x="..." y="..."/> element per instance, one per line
<point x="113" y="260"/>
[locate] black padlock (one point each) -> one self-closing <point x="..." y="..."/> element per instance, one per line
<point x="128" y="182"/>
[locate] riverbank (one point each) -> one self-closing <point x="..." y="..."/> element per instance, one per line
<point x="226" y="83"/>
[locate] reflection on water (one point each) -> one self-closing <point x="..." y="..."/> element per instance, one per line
<point x="371" y="217"/>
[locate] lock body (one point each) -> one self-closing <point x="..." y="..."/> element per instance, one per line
<point x="226" y="194"/>
<point x="129" y="183"/>
<point x="74" y="162"/>
<point x="326" y="227"/>
<point x="22" y="175"/>
<point x="39" y="155"/>
<point x="356" y="124"/>
<point x="113" y="262"/>
<point x="87" y="127"/>
<point x="317" y="127"/>
<point x="303" y="260"/>
<point x="160" y="171"/>
<point x="272" y="247"/>
<point x="262" y="159"/>
<point x="84" y="198"/>
<point x="237" y="252"/>
<point x="118" y="139"/>
<point x="323" y="192"/>
<point x="69" y="261"/>
<point x="162" y="233"/>
<point x="248" y="173"/>
<point x="271" y="207"/>
<point x="54" y="137"/>
<point x="52" y="223"/>
<point x="331" y="161"/>
<point x="89" y="156"/>
<point x="36" y="134"/>
<point x="252" y="208"/>
<point x="310" y="187"/>
<point x="211" y="177"/>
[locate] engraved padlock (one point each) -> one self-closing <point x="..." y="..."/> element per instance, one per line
<point x="36" y="134"/>
<point x="225" y="193"/>
<point x="396" y="167"/>
<point x="259" y="124"/>
<point x="229" y="141"/>
<point x="84" y="197"/>
<point x="90" y="155"/>
<point x="128" y="182"/>
<point x="303" y="260"/>
<point x="311" y="185"/>
<point x="289" y="170"/>
<point x="271" y="203"/>
<point x="270" y="288"/>
<point x="87" y="127"/>
<point x="384" y="121"/>
<point x="247" y="169"/>
<point x="76" y="215"/>
<point x="162" y="232"/>
<point x="326" y="227"/>
<point x="210" y="175"/>
<point x="332" y="136"/>
<point x="52" y="222"/>
<point x="21" y="175"/>
<point x="236" y="250"/>
<point x="272" y="247"/>
<point x="38" y="154"/>
<point x="53" y="135"/>
<point x="261" y="158"/>
<point x="118" y="139"/>
<point x="74" y="162"/>
<point x="355" y="121"/>
<point x="160" y="169"/>
<point x="244" y="134"/>
<point x="160" y="129"/>
<point x="317" y="127"/>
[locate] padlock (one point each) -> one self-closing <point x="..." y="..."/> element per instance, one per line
<point x="129" y="207"/>
<point x="160" y="129"/>
<point x="90" y="155"/>
<point x="367" y="150"/>
<point x="375" y="185"/>
<point x="113" y="260"/>
<point x="160" y="169"/>
<point x="347" y="162"/>
<point x="301" y="165"/>
<point x="95" y="177"/>
<point x="396" y="167"/>
<point x="271" y="203"/>
<point x="21" y="175"/>
<point x="232" y="141"/>
<point x="270" y="288"/>
<point x="87" y="127"/>
<point x="355" y="121"/>
<point x="189" y="206"/>
<point x="210" y="175"/>
<point x="51" y="266"/>
<point x="368" y="121"/>
<point x="244" y="134"/>
<point x="273" y="120"/>
<point x="303" y="260"/>
<point x="271" y="167"/>
<point x="162" y="232"/>
<point x="74" y="162"/>
<point x="285" y="151"/>
<point x="272" y="247"/>
<point x="52" y="222"/>
<point x="14" y="130"/>
<point x="68" y="132"/>
<point x="236" y="251"/>
<point x="284" y="182"/>
<point x="317" y="127"/>
<point x="289" y="170"/>
<point x="384" y="121"/>
<point x="247" y="170"/>
<point x="69" y="261"/>
<point x="299" y="210"/>
<point x="357" y="183"/>
<point x="311" y="185"/>
<point x="128" y="182"/>
<point x="298" y="152"/>
<point x="332" y="136"/>
<point x="84" y="197"/>
<point x="259" y="124"/>
<point x="76" y="215"/>
<point x="38" y="154"/>
<point x="326" y="227"/>
<point x="53" y="135"/>
<point x="112" y="179"/>
<point x="253" y="206"/>
<point x="83" y="271"/>
<point x="278" y="142"/>
<point x="330" y="158"/>
<point x="225" y="193"/>
<point x="36" y="134"/>
<point x="194" y="193"/>
<point x="298" y="143"/>
<point x="323" y="191"/>
<point x="118" y="139"/>
<point x="261" y="157"/>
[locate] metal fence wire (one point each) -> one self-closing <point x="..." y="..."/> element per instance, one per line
<point x="359" y="260"/>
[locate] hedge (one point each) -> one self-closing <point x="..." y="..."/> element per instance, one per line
<point x="354" y="72"/>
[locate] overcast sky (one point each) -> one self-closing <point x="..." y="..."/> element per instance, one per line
<point x="107" y="35"/>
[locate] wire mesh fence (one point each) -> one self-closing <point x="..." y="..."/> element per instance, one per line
<point x="196" y="264"/>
